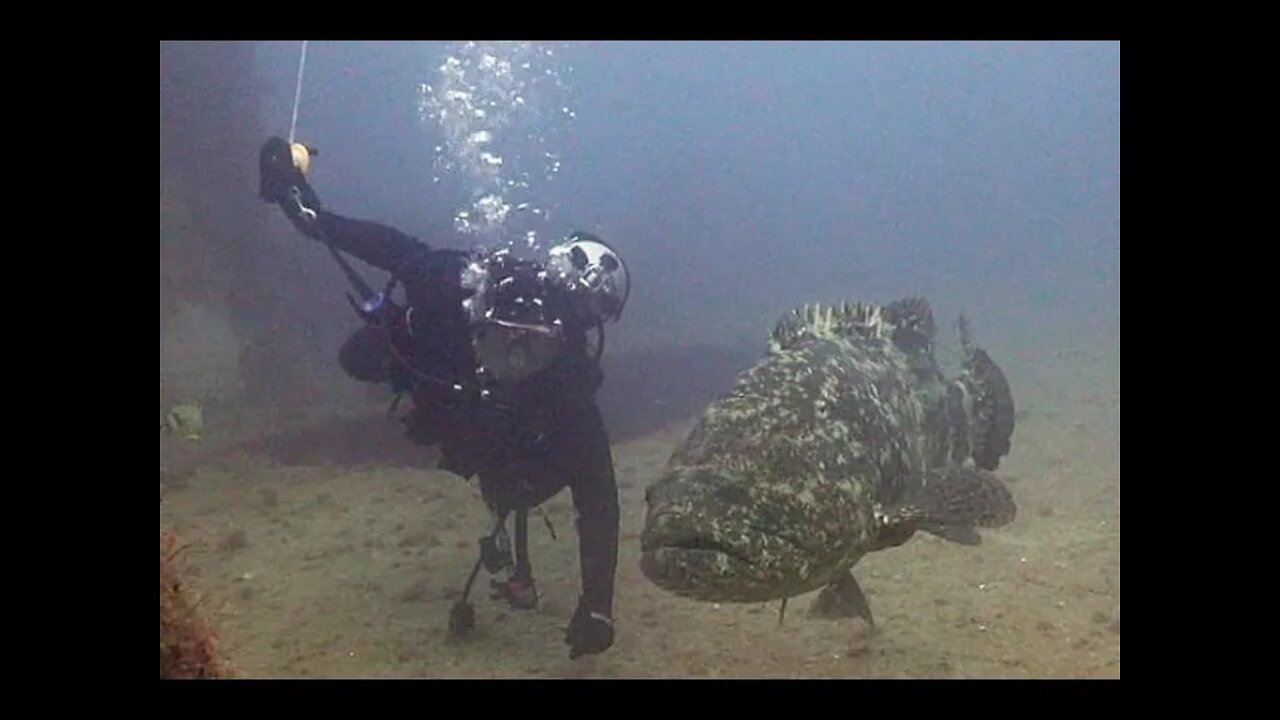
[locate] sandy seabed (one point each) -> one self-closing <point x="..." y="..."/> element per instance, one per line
<point x="318" y="556"/>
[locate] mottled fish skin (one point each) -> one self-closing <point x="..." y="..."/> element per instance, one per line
<point x="813" y="459"/>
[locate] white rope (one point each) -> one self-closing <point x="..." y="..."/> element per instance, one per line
<point x="297" y="92"/>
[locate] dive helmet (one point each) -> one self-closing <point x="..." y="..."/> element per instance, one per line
<point x="593" y="274"/>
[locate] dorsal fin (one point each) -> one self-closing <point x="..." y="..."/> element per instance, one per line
<point x="850" y="319"/>
<point x="965" y="330"/>
<point x="913" y="326"/>
<point x="907" y="322"/>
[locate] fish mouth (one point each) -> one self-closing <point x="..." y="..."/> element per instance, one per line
<point x="703" y="568"/>
<point x="673" y="530"/>
<point x="697" y="569"/>
<point x="694" y="545"/>
<point x="663" y="531"/>
<point x="730" y="564"/>
<point x="670" y="550"/>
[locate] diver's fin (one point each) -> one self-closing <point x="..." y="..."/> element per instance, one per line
<point x="951" y="501"/>
<point x="987" y="400"/>
<point x="842" y="599"/>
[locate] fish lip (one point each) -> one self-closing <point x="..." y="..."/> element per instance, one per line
<point x="698" y="543"/>
<point x="694" y="542"/>
<point x="689" y="541"/>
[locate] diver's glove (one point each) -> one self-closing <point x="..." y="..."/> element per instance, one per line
<point x="281" y="182"/>
<point x="589" y="633"/>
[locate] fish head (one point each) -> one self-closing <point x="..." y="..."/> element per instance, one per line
<point x="718" y="535"/>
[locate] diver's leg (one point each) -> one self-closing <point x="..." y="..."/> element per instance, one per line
<point x="523" y="570"/>
<point x="595" y="498"/>
<point x="495" y="548"/>
<point x="517" y="588"/>
<point x="520" y="591"/>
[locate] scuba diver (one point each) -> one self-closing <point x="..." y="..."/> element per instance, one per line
<point x="494" y="353"/>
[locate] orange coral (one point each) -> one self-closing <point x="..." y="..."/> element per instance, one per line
<point x="188" y="646"/>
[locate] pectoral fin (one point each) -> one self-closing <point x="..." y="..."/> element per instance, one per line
<point x="842" y="599"/>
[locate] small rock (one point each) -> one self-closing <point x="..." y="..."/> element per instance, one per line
<point x="940" y="667"/>
<point x="1011" y="660"/>
<point x="416" y="592"/>
<point x="270" y="498"/>
<point x="1101" y="617"/>
<point x="233" y="540"/>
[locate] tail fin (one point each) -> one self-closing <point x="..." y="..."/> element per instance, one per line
<point x="951" y="502"/>
<point x="980" y="406"/>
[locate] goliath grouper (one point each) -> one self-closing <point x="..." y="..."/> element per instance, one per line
<point x="844" y="439"/>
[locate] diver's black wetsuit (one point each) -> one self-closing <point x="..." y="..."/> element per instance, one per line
<point x="527" y="441"/>
<point x="527" y="444"/>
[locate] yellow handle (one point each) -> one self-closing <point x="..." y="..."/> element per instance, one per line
<point x="301" y="158"/>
